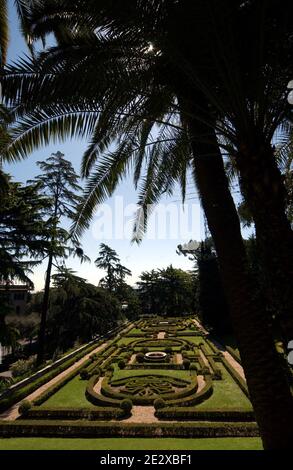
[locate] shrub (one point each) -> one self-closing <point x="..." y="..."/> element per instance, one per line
<point x="192" y="366"/>
<point x="126" y="405"/>
<point x="186" y="363"/>
<point x="23" y="367"/>
<point x="152" y="430"/>
<point x="121" y="364"/>
<point x="94" y="357"/>
<point x="24" y="407"/>
<point x="33" y="382"/>
<point x="140" y="357"/>
<point x="168" y="350"/>
<point x="145" y="350"/>
<point x="68" y="414"/>
<point x="159" y="403"/>
<point x="84" y="374"/>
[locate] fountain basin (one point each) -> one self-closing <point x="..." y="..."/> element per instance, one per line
<point x="156" y="356"/>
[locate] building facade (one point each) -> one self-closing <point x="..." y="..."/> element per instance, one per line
<point x="16" y="296"/>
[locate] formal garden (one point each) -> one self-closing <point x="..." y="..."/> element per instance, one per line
<point x="157" y="377"/>
<point x="146" y="215"/>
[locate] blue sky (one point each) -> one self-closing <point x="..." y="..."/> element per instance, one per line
<point x="152" y="252"/>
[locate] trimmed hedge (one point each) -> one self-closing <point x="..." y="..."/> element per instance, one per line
<point x="238" y="379"/>
<point x="203" y="368"/>
<point x="217" y="373"/>
<point x="92" y="429"/>
<point x="68" y="414"/>
<point x="220" y="415"/>
<point x="58" y="385"/>
<point x="212" y="346"/>
<point x="155" y="365"/>
<point x="234" y="354"/>
<point x="14" y="396"/>
<point x="96" y="398"/>
<point x="188" y="333"/>
<point x="194" y="399"/>
<point x="189" y="389"/>
<point x="26" y="390"/>
<point x="160" y="343"/>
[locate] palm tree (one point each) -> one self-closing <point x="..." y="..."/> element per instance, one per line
<point x="156" y="87"/>
<point x="3" y="31"/>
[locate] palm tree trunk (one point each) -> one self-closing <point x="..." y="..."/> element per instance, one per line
<point x="264" y="191"/>
<point x="269" y="391"/>
<point x="45" y="305"/>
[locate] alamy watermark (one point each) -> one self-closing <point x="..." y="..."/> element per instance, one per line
<point x="168" y="221"/>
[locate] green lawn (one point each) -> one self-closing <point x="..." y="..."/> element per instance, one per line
<point x="71" y="395"/>
<point x="130" y="444"/>
<point x="135" y="331"/>
<point x="126" y="341"/>
<point x="226" y="394"/>
<point x="197" y="340"/>
<point x="179" y="374"/>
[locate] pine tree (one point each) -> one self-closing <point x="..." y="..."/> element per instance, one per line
<point x="59" y="182"/>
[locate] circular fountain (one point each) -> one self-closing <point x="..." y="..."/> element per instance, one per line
<point x="156" y="356"/>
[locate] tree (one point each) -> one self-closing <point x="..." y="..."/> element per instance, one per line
<point x="78" y="311"/>
<point x="9" y="335"/>
<point x="116" y="272"/>
<point x="149" y="292"/>
<point x="60" y="183"/>
<point x="222" y="98"/>
<point x="23" y="231"/>
<point x="166" y="292"/>
<point x="23" y="243"/>
<point x="212" y="304"/>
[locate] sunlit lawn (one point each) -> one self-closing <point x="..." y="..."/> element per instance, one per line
<point x="72" y="395"/>
<point x="130" y="444"/>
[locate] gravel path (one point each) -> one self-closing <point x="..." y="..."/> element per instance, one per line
<point x="98" y="386"/>
<point x="234" y="364"/>
<point x="142" y="414"/>
<point x="179" y="358"/>
<point x="225" y="353"/>
<point x="161" y="335"/>
<point x="12" y="413"/>
<point x="201" y="383"/>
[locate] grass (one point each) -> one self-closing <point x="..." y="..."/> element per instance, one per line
<point x="197" y="340"/>
<point x="126" y="341"/>
<point x="130" y="444"/>
<point x="178" y="374"/>
<point x="71" y="395"/>
<point x="134" y="331"/>
<point x="226" y="394"/>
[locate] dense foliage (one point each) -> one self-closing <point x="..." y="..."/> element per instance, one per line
<point x="167" y="291"/>
<point x="77" y="311"/>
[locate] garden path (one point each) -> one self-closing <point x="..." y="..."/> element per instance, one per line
<point x="226" y="354"/>
<point x="161" y="335"/>
<point x="12" y="413"/>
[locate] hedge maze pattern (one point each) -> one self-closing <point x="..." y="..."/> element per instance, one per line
<point x="188" y="384"/>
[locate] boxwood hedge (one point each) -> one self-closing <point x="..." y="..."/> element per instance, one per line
<point x="93" y="429"/>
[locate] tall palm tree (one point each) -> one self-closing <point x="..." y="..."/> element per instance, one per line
<point x="3" y="32"/>
<point x="156" y="88"/>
